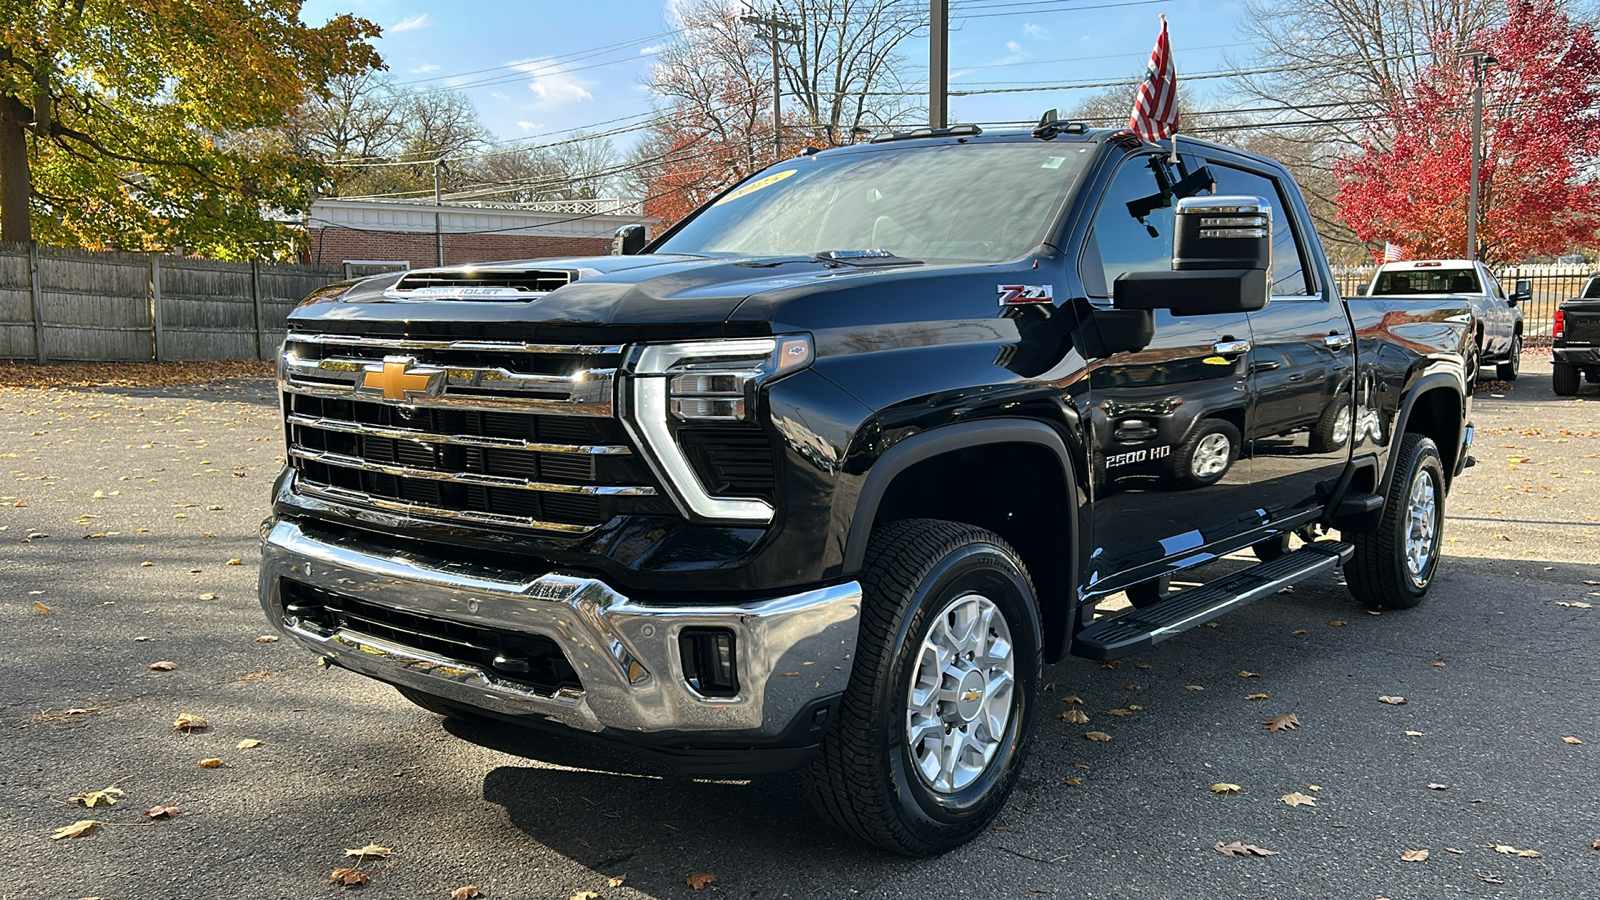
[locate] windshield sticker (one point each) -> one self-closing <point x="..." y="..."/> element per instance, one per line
<point x="756" y="185"/>
<point x="1053" y="162"/>
<point x="1018" y="294"/>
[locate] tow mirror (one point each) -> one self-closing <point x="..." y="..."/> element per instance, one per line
<point x="628" y="240"/>
<point x="1361" y="289"/>
<point x="1523" y="293"/>
<point x="1221" y="257"/>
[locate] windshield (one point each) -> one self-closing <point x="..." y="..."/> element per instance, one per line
<point x="967" y="202"/>
<point x="1427" y="281"/>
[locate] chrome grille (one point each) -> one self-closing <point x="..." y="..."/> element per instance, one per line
<point x="505" y="434"/>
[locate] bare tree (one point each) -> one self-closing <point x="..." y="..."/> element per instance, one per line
<point x="359" y="118"/>
<point x="843" y="71"/>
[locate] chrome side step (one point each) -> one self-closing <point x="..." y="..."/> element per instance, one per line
<point x="1144" y="628"/>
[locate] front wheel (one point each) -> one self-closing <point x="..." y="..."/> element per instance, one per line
<point x="1393" y="566"/>
<point x="1508" y="370"/>
<point x="933" y="728"/>
<point x="1207" y="455"/>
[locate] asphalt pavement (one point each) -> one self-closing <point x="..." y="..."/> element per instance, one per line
<point x="125" y="508"/>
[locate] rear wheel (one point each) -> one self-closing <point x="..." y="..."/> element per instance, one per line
<point x="1332" y="431"/>
<point x="1393" y="566"/>
<point x="933" y="728"/>
<point x="1507" y="371"/>
<point x="1564" y="379"/>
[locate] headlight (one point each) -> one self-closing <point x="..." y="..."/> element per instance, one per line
<point x="704" y="381"/>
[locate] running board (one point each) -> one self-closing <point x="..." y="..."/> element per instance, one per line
<point x="1144" y="628"/>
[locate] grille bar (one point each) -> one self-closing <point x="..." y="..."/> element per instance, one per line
<point x="462" y="440"/>
<point x="584" y="392"/>
<point x="382" y="343"/>
<point x="424" y="511"/>
<point x="502" y="481"/>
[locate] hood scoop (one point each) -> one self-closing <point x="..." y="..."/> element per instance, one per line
<point x="480" y="284"/>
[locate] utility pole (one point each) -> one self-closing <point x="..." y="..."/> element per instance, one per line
<point x="1481" y="61"/>
<point x="778" y="31"/>
<point x="939" y="63"/>
<point x="438" y="223"/>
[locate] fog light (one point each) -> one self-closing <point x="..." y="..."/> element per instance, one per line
<point x="709" y="661"/>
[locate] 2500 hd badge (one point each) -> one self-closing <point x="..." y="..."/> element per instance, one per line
<point x="784" y="488"/>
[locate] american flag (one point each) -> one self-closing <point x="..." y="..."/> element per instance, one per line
<point x="1393" y="252"/>
<point x="1155" y="113"/>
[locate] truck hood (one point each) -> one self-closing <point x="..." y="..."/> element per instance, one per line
<point x="630" y="297"/>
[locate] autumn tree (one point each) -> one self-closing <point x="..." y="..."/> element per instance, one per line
<point x="146" y="123"/>
<point x="1540" y="185"/>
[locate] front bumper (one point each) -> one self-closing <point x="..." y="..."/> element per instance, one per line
<point x="792" y="650"/>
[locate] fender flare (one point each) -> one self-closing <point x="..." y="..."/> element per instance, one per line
<point x="947" y="439"/>
<point x="1423" y="385"/>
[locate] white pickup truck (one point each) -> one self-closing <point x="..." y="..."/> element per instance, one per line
<point x="1496" y="317"/>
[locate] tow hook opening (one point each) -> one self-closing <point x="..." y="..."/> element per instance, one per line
<point x="710" y="661"/>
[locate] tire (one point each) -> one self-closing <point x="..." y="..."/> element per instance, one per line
<point x="1564" y="379"/>
<point x="1271" y="548"/>
<point x="1333" y="430"/>
<point x="1508" y="370"/>
<point x="1393" y="566"/>
<point x="870" y="778"/>
<point x="1202" y="460"/>
<point x="1474" y="363"/>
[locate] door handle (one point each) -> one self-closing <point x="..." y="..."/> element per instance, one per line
<point x="1230" y="348"/>
<point x="1337" y="341"/>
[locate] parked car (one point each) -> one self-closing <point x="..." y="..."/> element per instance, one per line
<point x="1496" y="316"/>
<point x="819" y="479"/>
<point x="1575" y="343"/>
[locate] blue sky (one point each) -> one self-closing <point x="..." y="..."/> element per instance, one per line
<point x="542" y="67"/>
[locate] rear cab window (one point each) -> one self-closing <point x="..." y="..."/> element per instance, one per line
<point x="1441" y="280"/>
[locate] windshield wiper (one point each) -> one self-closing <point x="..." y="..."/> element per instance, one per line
<point x="865" y="258"/>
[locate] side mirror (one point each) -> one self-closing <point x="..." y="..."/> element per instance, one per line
<point x="1361" y="289"/>
<point x="1221" y="257"/>
<point x="1523" y="293"/>
<point x="629" y="240"/>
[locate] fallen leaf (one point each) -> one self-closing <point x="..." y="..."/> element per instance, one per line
<point x="267" y="639"/>
<point x="370" y="851"/>
<point x="1338" y="623"/>
<point x="1594" y="845"/>
<point x="1393" y="701"/>
<point x="1193" y="687"/>
<point x="1131" y="687"/>
<point x="208" y="596"/>
<point x="76" y="830"/>
<point x="1110" y="664"/>
<point x="1454" y="850"/>
<point x="188" y="723"/>
<point x="1098" y="736"/>
<point x="211" y="763"/>
<point x="1134" y="707"/>
<point x="1487" y="878"/>
<point x="348" y="877"/>
<point x="1414" y="855"/>
<point x="1248" y="674"/>
<point x="1414" y="734"/>
<point x="1258" y="696"/>
<point x="1570" y="740"/>
<point x="1575" y="604"/>
<point x="40" y="608"/>
<point x="166" y="665"/>
<point x="1222" y="787"/>
<point x="617" y="880"/>
<point x="1074" y="717"/>
<point x="146" y="564"/>
<point x="92" y="799"/>
<point x="247" y="743"/>
<point x="1235" y="848"/>
<point x="1119" y="713"/>
<point x="700" y="879"/>
<point x="1007" y="828"/>
<point x="1530" y="854"/>
<point x="1287" y="721"/>
<point x="1072" y="698"/>
<point x="161" y="811"/>
<point x="585" y="895"/>
<point x="1438" y="787"/>
<point x="1075" y="780"/>
<point x="1313" y="787"/>
<point x="236" y="561"/>
<point x="466" y="892"/>
<point x="1300" y="632"/>
<point x="1298" y="799"/>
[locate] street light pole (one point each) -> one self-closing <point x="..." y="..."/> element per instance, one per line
<point x="778" y="31"/>
<point x="438" y="222"/>
<point x="1481" y="61"/>
<point x="939" y="63"/>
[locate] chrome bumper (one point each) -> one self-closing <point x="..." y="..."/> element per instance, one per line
<point x="791" y="650"/>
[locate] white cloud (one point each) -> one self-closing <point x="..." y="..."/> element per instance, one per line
<point x="674" y="11"/>
<point x="652" y="50"/>
<point x="528" y="126"/>
<point x="552" y="84"/>
<point x="1013" y="46"/>
<point x="1037" y="32"/>
<point x="424" y="69"/>
<point x="410" y="23"/>
<point x="499" y="96"/>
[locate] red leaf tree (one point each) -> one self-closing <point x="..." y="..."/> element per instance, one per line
<point x="1539" y="188"/>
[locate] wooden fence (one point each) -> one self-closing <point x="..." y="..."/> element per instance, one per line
<point x="59" y="305"/>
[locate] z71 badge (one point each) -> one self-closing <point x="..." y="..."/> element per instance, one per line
<point x="1019" y="294"/>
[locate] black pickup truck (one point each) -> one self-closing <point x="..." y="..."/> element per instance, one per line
<point x="1575" y="341"/>
<point x="825" y="475"/>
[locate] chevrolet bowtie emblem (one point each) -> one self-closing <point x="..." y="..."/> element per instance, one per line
<point x="970" y="696"/>
<point x="400" y="378"/>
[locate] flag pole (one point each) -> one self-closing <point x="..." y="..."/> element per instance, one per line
<point x="1174" y="159"/>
